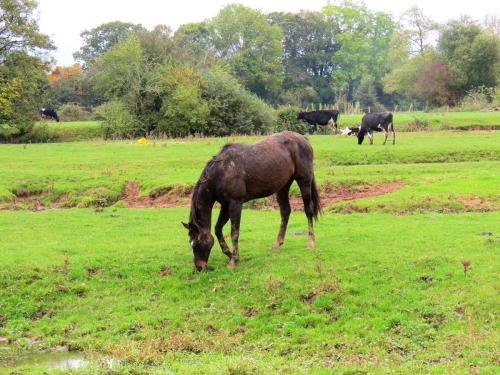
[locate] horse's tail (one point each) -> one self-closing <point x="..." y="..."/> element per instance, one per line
<point x="315" y="199"/>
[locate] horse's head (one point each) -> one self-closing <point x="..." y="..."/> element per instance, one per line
<point x="201" y="241"/>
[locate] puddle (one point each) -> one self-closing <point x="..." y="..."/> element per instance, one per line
<point x="57" y="361"/>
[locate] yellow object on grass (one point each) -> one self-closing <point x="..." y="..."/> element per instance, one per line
<point x="142" y="141"/>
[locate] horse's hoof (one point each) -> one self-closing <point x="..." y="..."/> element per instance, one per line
<point x="276" y="245"/>
<point x="310" y="244"/>
<point x="231" y="264"/>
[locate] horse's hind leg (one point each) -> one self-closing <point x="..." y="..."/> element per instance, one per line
<point x="305" y="184"/>
<point x="221" y="221"/>
<point x="284" y="202"/>
<point x="393" y="133"/>
<point x="235" y="215"/>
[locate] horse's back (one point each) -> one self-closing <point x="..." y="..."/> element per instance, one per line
<point x="263" y="168"/>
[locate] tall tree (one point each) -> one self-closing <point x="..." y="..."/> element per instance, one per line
<point x="19" y="29"/>
<point x="241" y="39"/>
<point x="309" y="46"/>
<point x="98" y="40"/>
<point x="472" y="55"/>
<point x="364" y="39"/>
<point x="419" y="28"/>
<point x="251" y="46"/>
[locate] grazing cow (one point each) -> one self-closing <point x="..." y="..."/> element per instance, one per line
<point x="376" y="121"/>
<point x="49" y="112"/>
<point x="350" y="131"/>
<point x="323" y="117"/>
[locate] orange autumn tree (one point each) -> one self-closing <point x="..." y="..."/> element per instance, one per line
<point x="66" y="83"/>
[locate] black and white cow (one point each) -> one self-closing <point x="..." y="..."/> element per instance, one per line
<point x="322" y="117"/>
<point x="350" y="131"/>
<point x="49" y="112"/>
<point x="376" y="121"/>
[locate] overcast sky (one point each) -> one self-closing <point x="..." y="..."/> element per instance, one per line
<point x="64" y="20"/>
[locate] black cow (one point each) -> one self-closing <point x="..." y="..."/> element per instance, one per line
<point x="49" y="112"/>
<point x="323" y="117"/>
<point x="376" y="121"/>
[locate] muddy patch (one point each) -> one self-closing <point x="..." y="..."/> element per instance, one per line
<point x="64" y="361"/>
<point x="331" y="194"/>
<point x="164" y="197"/>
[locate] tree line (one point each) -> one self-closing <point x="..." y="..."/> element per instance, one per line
<point x="223" y="75"/>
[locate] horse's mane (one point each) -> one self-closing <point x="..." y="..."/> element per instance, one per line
<point x="205" y="176"/>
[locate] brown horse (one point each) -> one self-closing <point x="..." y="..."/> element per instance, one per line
<point x="239" y="173"/>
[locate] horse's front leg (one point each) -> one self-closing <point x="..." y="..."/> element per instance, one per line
<point x="221" y="221"/>
<point x="235" y="215"/>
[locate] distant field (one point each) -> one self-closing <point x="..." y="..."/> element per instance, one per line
<point x="85" y="130"/>
<point x="440" y="165"/>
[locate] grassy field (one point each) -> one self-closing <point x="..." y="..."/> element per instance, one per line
<point x="87" y="130"/>
<point x="408" y="283"/>
<point x="439" y="165"/>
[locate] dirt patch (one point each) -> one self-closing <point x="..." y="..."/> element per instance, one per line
<point x="166" y="197"/>
<point x="331" y="194"/>
<point x="471" y="127"/>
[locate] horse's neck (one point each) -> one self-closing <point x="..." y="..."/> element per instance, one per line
<point x="203" y="203"/>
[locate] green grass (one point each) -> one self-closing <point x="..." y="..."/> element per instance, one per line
<point x="354" y="302"/>
<point x="88" y="130"/>
<point x="383" y="292"/>
<point x="434" y="120"/>
<point x="66" y="131"/>
<point x="434" y="164"/>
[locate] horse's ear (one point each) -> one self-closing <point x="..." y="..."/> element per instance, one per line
<point x="185" y="225"/>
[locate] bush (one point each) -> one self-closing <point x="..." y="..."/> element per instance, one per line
<point x="287" y="120"/>
<point x="477" y="99"/>
<point x="74" y="112"/>
<point x="209" y="103"/>
<point x="233" y="110"/>
<point x="118" y="122"/>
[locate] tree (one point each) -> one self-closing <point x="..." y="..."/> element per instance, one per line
<point x="432" y="85"/>
<point x="364" y="39"/>
<point x="19" y="29"/>
<point x="309" y="46"/>
<point x="26" y="81"/>
<point x="419" y="28"/>
<point x="156" y="44"/>
<point x="66" y="84"/>
<point x="101" y="38"/>
<point x="244" y="39"/>
<point x="424" y="78"/>
<point x="120" y="70"/>
<point x="472" y="55"/>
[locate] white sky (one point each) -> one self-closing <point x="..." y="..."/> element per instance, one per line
<point x="64" y="20"/>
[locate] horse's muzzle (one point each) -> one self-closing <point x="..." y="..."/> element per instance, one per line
<point x="200" y="264"/>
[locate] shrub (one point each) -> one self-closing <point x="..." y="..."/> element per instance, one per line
<point x="477" y="99"/>
<point x="74" y="112"/>
<point x="233" y="110"/>
<point x="118" y="122"/>
<point x="287" y="120"/>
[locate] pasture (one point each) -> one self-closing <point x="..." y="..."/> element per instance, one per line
<point x="86" y="130"/>
<point x="403" y="278"/>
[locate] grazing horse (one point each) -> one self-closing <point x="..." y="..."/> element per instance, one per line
<point x="239" y="173"/>
<point x="376" y="121"/>
<point x="321" y="117"/>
